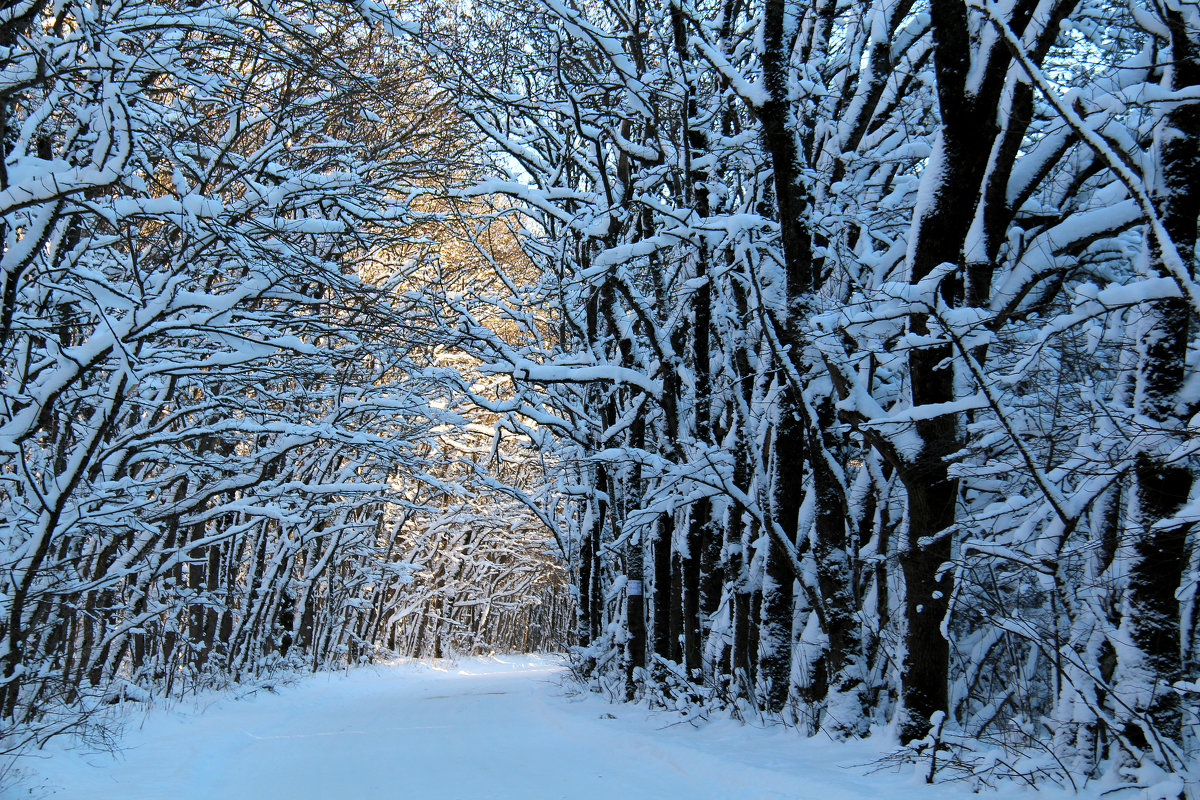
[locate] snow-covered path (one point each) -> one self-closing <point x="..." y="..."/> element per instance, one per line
<point x="484" y="728"/>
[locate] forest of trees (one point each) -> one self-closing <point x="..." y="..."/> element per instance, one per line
<point x="228" y="435"/>
<point x="838" y="354"/>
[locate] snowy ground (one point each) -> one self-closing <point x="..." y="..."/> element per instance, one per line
<point x="482" y="728"/>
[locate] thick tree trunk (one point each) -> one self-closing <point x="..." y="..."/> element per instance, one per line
<point x="952" y="180"/>
<point x="775" y="631"/>
<point x="1164" y="484"/>
<point x="834" y="571"/>
<point x="778" y="604"/>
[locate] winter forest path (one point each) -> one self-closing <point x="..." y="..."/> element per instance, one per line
<point x="482" y="728"/>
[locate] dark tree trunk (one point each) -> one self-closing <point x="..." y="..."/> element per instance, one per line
<point x="690" y="567"/>
<point x="775" y="630"/>
<point x="834" y="565"/>
<point x="678" y="621"/>
<point x="965" y="138"/>
<point x="635" y="554"/>
<point x="1163" y="485"/>
<point x="778" y="603"/>
<point x="664" y="635"/>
